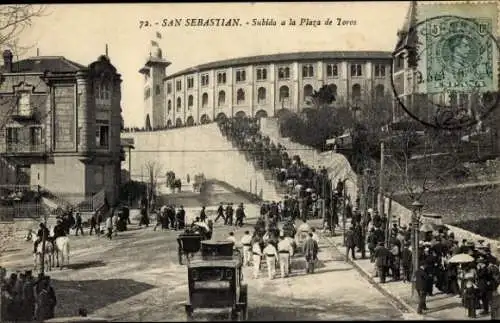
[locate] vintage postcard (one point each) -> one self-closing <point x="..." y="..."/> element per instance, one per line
<point x="249" y="161"/>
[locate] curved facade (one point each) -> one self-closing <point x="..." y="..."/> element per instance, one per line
<point x="259" y="86"/>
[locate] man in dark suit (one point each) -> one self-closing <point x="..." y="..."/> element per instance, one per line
<point x="421" y="281"/>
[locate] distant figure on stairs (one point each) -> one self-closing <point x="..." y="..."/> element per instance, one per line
<point x="187" y="178"/>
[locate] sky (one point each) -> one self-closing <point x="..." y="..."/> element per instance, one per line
<point x="80" y="32"/>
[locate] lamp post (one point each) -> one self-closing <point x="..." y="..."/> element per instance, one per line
<point x="416" y="208"/>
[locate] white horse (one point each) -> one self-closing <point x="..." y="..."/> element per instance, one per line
<point x="62" y="249"/>
<point x="49" y="255"/>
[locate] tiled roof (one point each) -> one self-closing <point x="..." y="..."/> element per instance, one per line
<point x="299" y="56"/>
<point x="39" y="64"/>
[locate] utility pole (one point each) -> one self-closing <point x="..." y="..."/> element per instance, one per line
<point x="381" y="206"/>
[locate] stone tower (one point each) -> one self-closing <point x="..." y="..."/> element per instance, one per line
<point x="154" y="72"/>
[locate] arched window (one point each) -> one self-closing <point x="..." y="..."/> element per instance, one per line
<point x="261" y="95"/>
<point x="240" y="96"/>
<point x="379" y="91"/>
<point x="356" y="91"/>
<point x="308" y="91"/>
<point x="157" y="90"/>
<point x="190" y="101"/>
<point x="221" y="98"/>
<point x="178" y="105"/>
<point x="284" y="93"/>
<point x="169" y="106"/>
<point x="204" y="100"/>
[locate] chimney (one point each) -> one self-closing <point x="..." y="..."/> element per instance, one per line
<point x="7" y="60"/>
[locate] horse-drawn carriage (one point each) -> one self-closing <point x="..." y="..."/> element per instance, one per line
<point x="215" y="280"/>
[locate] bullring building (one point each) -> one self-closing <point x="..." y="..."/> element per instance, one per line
<point x="259" y="86"/>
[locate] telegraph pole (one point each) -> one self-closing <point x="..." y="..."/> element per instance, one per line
<point x="381" y="205"/>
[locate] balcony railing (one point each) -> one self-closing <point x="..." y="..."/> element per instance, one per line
<point x="23" y="114"/>
<point x="25" y="148"/>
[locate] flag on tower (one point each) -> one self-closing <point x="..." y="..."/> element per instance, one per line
<point x="158" y="35"/>
<point x="153" y="43"/>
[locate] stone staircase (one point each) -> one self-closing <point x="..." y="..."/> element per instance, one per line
<point x="200" y="149"/>
<point x="337" y="165"/>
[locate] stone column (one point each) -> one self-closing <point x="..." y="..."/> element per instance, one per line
<point x="82" y="118"/>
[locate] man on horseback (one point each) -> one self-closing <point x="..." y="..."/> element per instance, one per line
<point x="42" y="231"/>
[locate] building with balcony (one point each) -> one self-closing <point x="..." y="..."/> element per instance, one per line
<point x="258" y="86"/>
<point x="60" y="125"/>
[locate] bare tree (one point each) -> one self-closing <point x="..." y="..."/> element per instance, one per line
<point x="14" y="19"/>
<point x="154" y="171"/>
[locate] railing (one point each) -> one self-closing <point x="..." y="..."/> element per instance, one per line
<point x="98" y="200"/>
<point x="24" y="148"/>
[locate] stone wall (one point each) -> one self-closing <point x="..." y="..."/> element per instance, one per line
<point x="192" y="150"/>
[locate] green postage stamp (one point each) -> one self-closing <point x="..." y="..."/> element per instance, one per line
<point x="459" y="54"/>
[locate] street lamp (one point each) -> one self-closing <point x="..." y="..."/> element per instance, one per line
<point x="416" y="208"/>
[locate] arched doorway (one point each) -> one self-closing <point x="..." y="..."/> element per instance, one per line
<point x="221" y="116"/>
<point x="204" y="119"/>
<point x="282" y="112"/>
<point x="240" y="114"/>
<point x="190" y="121"/>
<point x="308" y="92"/>
<point x="169" y="123"/>
<point x="178" y="122"/>
<point x="148" y="122"/>
<point x="261" y="114"/>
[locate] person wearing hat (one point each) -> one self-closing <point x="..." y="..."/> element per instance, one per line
<point x="495" y="305"/>
<point x="470" y="298"/>
<point x="350" y="243"/>
<point x="421" y="281"/>
<point x="220" y="212"/>
<point x="29" y="296"/>
<point x="203" y="215"/>
<point x="42" y="231"/>
<point x="406" y="262"/>
<point x="256" y="256"/>
<point x="484" y="284"/>
<point x="246" y="242"/>
<point x="271" y="259"/>
<point x="229" y="214"/>
<point x="285" y="250"/>
<point x="382" y="257"/>
<point x="240" y="215"/>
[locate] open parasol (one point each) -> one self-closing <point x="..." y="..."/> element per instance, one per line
<point x="461" y="258"/>
<point x="309" y="190"/>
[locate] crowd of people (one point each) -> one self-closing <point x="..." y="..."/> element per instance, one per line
<point x="463" y="268"/>
<point x="306" y="186"/>
<point x="26" y="298"/>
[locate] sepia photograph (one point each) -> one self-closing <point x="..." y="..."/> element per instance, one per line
<point x="234" y="161"/>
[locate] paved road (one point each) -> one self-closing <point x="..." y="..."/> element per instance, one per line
<point x="135" y="277"/>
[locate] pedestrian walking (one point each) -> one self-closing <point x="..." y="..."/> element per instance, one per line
<point x="310" y="253"/>
<point x="421" y="279"/>
<point x="220" y="213"/>
<point x="271" y="259"/>
<point x="285" y="250"/>
<point x="350" y="243"/>
<point x="109" y="227"/>
<point x="495" y="305"/>
<point x="256" y="257"/>
<point x="29" y="299"/>
<point x="78" y="223"/>
<point x="246" y="242"/>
